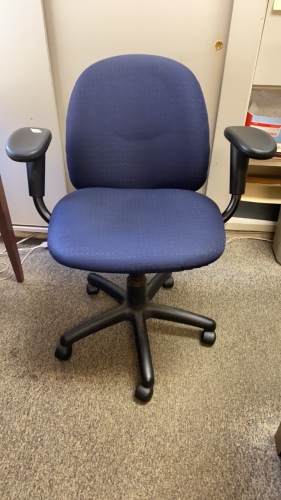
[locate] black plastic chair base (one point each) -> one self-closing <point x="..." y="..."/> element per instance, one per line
<point x="136" y="307"/>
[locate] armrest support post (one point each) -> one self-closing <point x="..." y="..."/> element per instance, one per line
<point x="41" y="208"/>
<point x="36" y="176"/>
<point x="232" y="207"/>
<point x="29" y="145"/>
<point x="246" y="143"/>
<point x="238" y="171"/>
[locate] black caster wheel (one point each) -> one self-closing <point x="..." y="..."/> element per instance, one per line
<point x="144" y="394"/>
<point x="169" y="283"/>
<point x="208" y="338"/>
<point x="63" y="353"/>
<point x="92" y="290"/>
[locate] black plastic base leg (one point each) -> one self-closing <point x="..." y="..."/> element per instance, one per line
<point x="155" y="284"/>
<point x="106" y="286"/>
<point x="167" y="313"/>
<point x="144" y="390"/>
<point x="94" y="325"/>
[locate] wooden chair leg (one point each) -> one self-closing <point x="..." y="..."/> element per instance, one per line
<point x="7" y="233"/>
<point x="278" y="440"/>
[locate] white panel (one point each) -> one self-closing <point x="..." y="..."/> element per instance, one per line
<point x="27" y="99"/>
<point x="268" y="70"/>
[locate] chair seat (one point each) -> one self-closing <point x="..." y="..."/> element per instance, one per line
<point x="136" y="230"/>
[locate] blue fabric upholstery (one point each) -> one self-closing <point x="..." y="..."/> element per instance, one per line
<point x="137" y="121"/>
<point x="136" y="230"/>
<point x="137" y="148"/>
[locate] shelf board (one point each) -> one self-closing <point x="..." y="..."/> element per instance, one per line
<point x="273" y="162"/>
<point x="262" y="193"/>
<point x="263" y="180"/>
<point x="243" y="224"/>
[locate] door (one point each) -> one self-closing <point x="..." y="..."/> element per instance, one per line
<point x="80" y="33"/>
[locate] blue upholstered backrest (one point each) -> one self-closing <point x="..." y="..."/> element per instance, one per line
<point x="137" y="121"/>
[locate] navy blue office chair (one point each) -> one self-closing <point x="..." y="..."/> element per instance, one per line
<point x="137" y="145"/>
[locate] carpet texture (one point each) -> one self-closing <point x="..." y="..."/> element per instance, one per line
<point x="71" y="430"/>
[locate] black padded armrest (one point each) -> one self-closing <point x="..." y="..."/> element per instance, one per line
<point x="246" y="142"/>
<point x="252" y="142"/>
<point x="28" y="144"/>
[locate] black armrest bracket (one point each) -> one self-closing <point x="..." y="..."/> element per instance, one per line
<point x="29" y="145"/>
<point x="246" y="142"/>
<point x="232" y="207"/>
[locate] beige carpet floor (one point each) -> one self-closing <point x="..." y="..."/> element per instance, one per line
<point x="72" y="430"/>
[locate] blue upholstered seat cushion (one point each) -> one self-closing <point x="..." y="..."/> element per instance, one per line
<point x="136" y="230"/>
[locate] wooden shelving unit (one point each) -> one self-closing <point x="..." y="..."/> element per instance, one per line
<point x="264" y="181"/>
<point x="264" y="177"/>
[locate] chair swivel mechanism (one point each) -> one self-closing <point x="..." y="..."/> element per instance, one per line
<point x="137" y="147"/>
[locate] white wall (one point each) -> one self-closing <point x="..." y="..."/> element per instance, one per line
<point x="268" y="70"/>
<point x="27" y="99"/>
